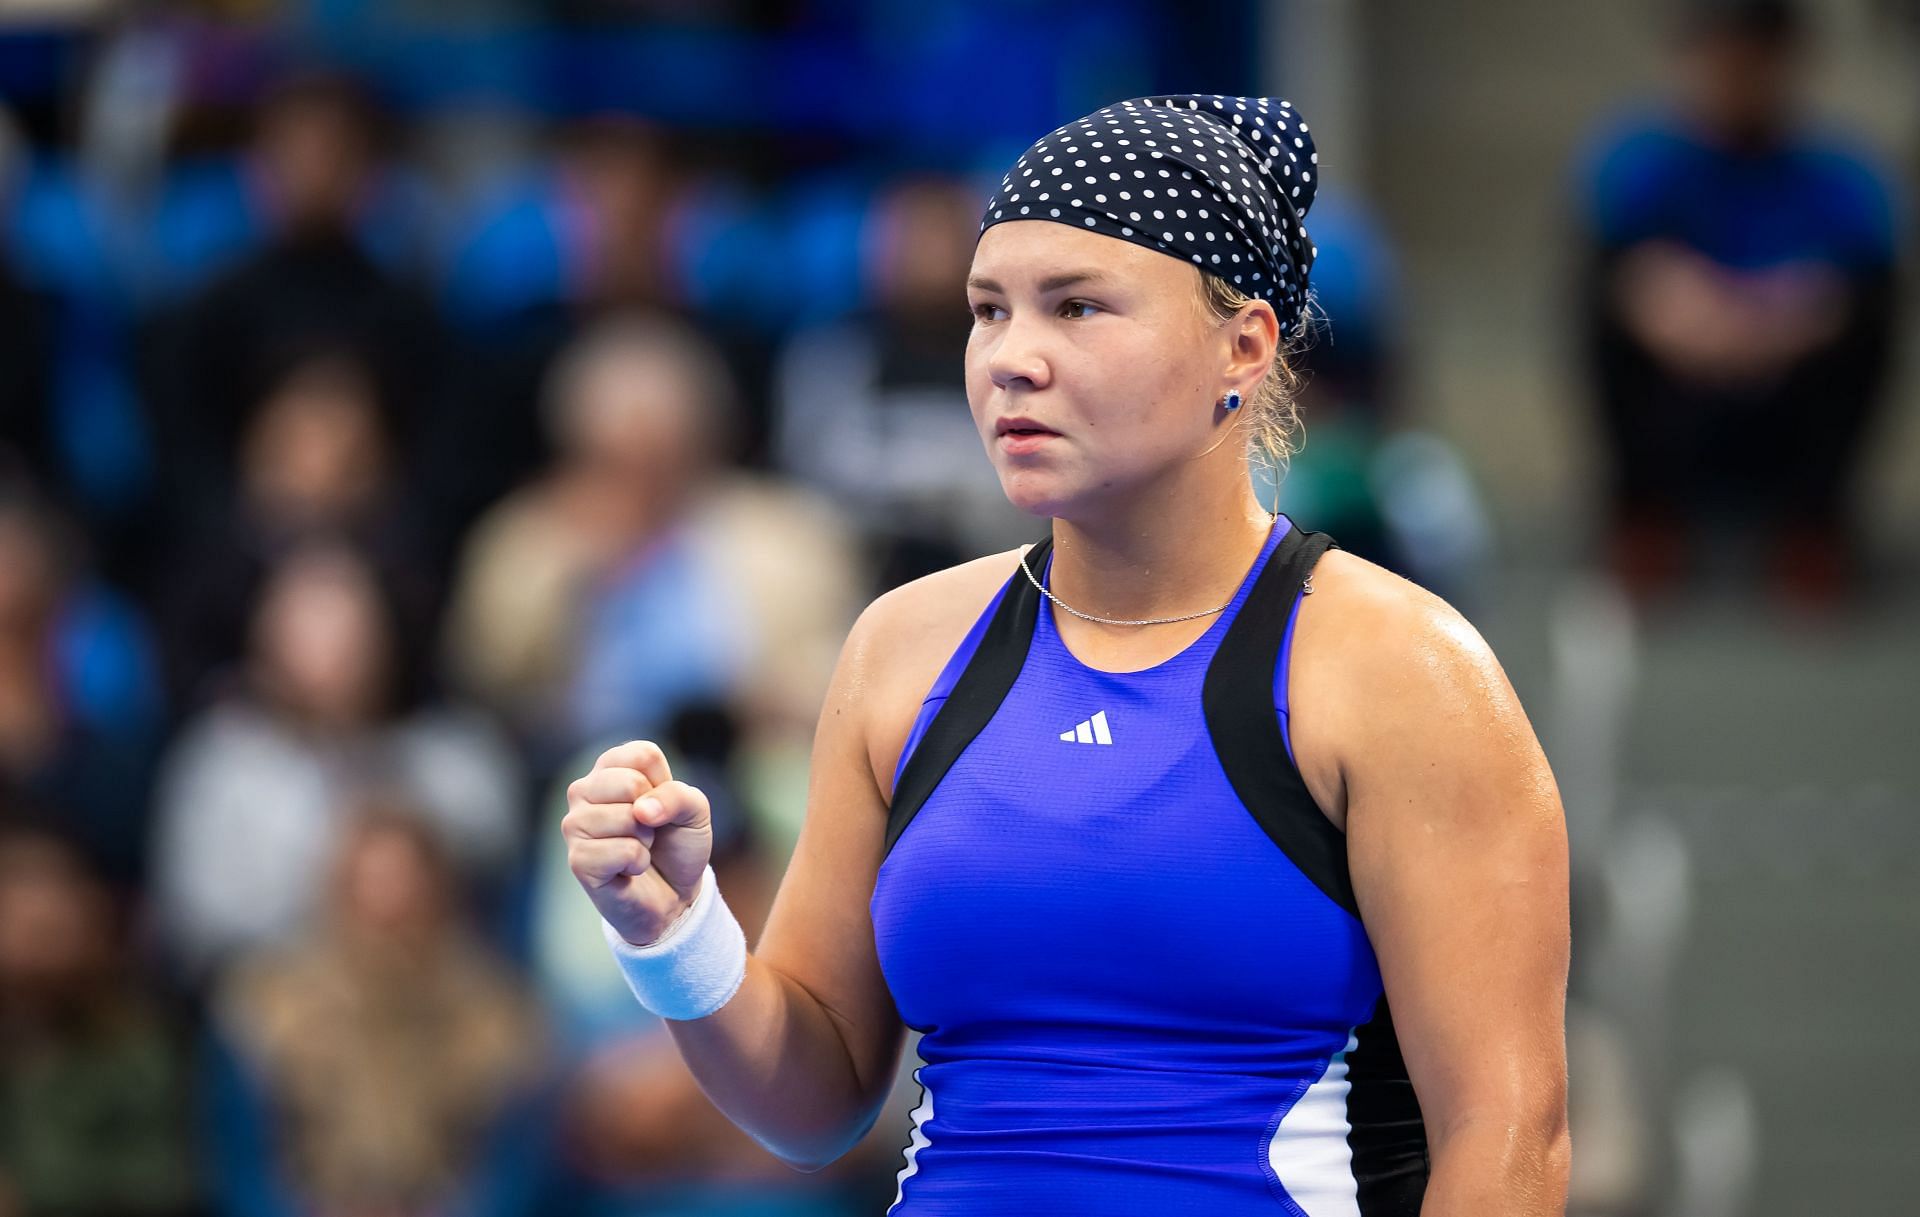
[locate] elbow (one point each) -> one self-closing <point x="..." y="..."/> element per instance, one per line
<point x="1543" y="1120"/>
<point x="808" y="1159"/>
<point x="814" y="1154"/>
<point x="1550" y="1124"/>
<point x="1556" y="1149"/>
<point x="1529" y="1133"/>
<point x="1501" y="1160"/>
<point x="799" y="1160"/>
<point x="809" y="1165"/>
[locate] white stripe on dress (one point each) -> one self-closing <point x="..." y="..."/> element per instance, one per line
<point x="917" y="1142"/>
<point x="1309" y="1150"/>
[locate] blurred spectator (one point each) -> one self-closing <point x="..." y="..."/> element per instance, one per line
<point x="93" y="1089"/>
<point x="79" y="697"/>
<point x="325" y="711"/>
<point x="312" y="283"/>
<point x="635" y="577"/>
<point x="797" y="578"/>
<point x="1738" y="312"/>
<point x="617" y="191"/>
<point x="384" y="1064"/>
<point x="583" y="604"/>
<point x="317" y="458"/>
<point x="873" y="411"/>
<point x="588" y="234"/>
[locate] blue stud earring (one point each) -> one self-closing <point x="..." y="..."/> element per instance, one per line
<point x="1231" y="402"/>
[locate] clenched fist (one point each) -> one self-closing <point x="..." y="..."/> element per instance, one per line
<point x="637" y="840"/>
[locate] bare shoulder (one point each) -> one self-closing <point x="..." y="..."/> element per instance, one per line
<point x="933" y="606"/>
<point x="901" y="641"/>
<point x="1375" y="619"/>
<point x="1379" y="662"/>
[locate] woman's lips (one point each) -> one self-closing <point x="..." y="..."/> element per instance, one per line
<point x="1017" y="441"/>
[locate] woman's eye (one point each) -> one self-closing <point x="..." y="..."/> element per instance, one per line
<point x="986" y="312"/>
<point x="1076" y="309"/>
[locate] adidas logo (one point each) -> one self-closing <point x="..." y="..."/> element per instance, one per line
<point x="1093" y="731"/>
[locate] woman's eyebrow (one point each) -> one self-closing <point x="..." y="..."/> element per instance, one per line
<point x="1051" y="283"/>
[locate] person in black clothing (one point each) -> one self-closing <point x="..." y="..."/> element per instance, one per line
<point x="317" y="458"/>
<point x="26" y="439"/>
<point x="1737" y="311"/>
<point x="312" y="284"/>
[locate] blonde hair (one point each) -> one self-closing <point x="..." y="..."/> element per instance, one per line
<point x="1272" y="418"/>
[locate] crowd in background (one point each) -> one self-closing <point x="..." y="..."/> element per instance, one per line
<point x="365" y="469"/>
<point x="367" y="463"/>
<point x="319" y="572"/>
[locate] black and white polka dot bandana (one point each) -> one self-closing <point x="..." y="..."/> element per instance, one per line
<point x="1223" y="182"/>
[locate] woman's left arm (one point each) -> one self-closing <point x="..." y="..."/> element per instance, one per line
<point x="1457" y="846"/>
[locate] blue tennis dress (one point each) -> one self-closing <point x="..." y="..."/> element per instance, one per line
<point x="1129" y="937"/>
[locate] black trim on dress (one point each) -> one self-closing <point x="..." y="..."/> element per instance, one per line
<point x="976" y="696"/>
<point x="1238" y="701"/>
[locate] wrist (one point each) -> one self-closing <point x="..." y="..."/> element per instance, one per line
<point x="695" y="966"/>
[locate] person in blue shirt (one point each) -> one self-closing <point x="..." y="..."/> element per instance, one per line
<point x="1219" y="869"/>
<point x="1737" y="309"/>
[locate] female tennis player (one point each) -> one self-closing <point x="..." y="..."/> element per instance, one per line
<point x="1220" y="869"/>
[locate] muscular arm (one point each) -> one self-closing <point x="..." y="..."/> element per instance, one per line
<point x="1457" y="846"/>
<point x="803" y="1056"/>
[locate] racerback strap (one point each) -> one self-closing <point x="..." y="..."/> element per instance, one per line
<point x="1245" y="725"/>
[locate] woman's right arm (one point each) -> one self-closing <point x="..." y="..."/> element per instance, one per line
<point x="804" y="1054"/>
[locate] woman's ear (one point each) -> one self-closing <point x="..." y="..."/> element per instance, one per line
<point x="1255" y="339"/>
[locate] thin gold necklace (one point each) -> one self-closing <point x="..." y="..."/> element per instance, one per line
<point x="1042" y="589"/>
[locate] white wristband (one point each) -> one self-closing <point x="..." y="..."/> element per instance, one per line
<point x="695" y="967"/>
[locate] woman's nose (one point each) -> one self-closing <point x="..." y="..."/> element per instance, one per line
<point x="1017" y="356"/>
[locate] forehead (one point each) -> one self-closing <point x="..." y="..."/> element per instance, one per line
<point x="1024" y="252"/>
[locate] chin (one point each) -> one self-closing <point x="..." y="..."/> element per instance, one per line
<point x="1043" y="495"/>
